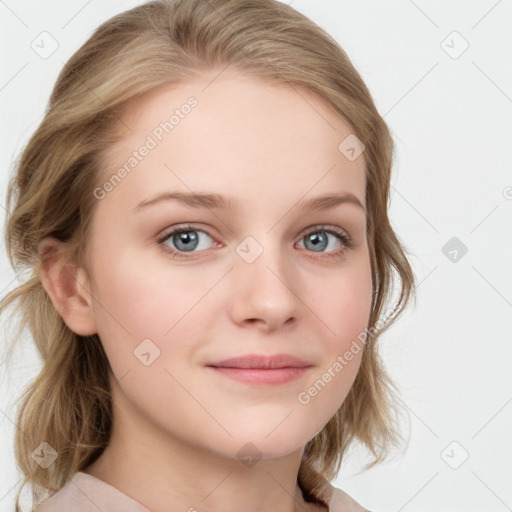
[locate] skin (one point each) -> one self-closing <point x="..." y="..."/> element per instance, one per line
<point x="179" y="426"/>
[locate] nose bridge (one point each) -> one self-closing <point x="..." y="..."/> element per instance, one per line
<point x="263" y="258"/>
<point x="264" y="281"/>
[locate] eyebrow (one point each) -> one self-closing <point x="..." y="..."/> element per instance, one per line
<point x="216" y="201"/>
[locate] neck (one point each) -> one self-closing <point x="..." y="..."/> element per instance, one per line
<point x="164" y="473"/>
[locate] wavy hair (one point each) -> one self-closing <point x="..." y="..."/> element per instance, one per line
<point x="50" y="194"/>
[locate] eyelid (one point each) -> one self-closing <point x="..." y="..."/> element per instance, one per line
<point x="323" y="227"/>
<point x="167" y="233"/>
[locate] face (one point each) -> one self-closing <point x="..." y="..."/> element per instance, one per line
<point x="258" y="273"/>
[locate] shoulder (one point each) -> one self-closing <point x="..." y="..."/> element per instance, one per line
<point x="85" y="493"/>
<point x="342" y="502"/>
<point x="339" y="501"/>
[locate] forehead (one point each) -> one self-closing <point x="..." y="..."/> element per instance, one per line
<point x="242" y="133"/>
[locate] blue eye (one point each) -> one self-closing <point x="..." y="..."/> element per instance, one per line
<point x="186" y="239"/>
<point x="317" y="241"/>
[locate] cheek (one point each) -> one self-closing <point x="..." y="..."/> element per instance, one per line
<point x="133" y="302"/>
<point x="136" y="291"/>
<point x="149" y="312"/>
<point x="343" y="306"/>
<point x="343" y="302"/>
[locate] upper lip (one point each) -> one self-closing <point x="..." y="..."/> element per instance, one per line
<point x="262" y="362"/>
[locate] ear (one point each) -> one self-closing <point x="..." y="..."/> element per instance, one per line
<point x="67" y="286"/>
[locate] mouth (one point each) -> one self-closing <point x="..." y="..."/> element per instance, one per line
<point x="261" y="369"/>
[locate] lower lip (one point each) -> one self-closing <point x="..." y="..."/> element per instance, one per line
<point x="273" y="377"/>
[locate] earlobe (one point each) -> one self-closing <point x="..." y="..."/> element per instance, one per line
<point x="67" y="286"/>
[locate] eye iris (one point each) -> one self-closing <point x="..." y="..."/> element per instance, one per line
<point x="318" y="239"/>
<point x="189" y="238"/>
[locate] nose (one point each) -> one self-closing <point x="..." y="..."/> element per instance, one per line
<point x="264" y="293"/>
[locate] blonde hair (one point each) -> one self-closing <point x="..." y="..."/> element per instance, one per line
<point x="68" y="405"/>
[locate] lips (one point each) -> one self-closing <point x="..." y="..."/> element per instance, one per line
<point x="261" y="370"/>
<point x="262" y="362"/>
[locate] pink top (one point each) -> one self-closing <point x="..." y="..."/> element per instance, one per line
<point x="86" y="493"/>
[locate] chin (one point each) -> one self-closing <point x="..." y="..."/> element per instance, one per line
<point x="268" y="443"/>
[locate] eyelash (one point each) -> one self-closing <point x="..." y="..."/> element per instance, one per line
<point x="345" y="239"/>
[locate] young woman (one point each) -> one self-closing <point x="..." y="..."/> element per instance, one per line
<point x="204" y="210"/>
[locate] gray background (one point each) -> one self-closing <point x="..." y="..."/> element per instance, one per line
<point x="449" y="108"/>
